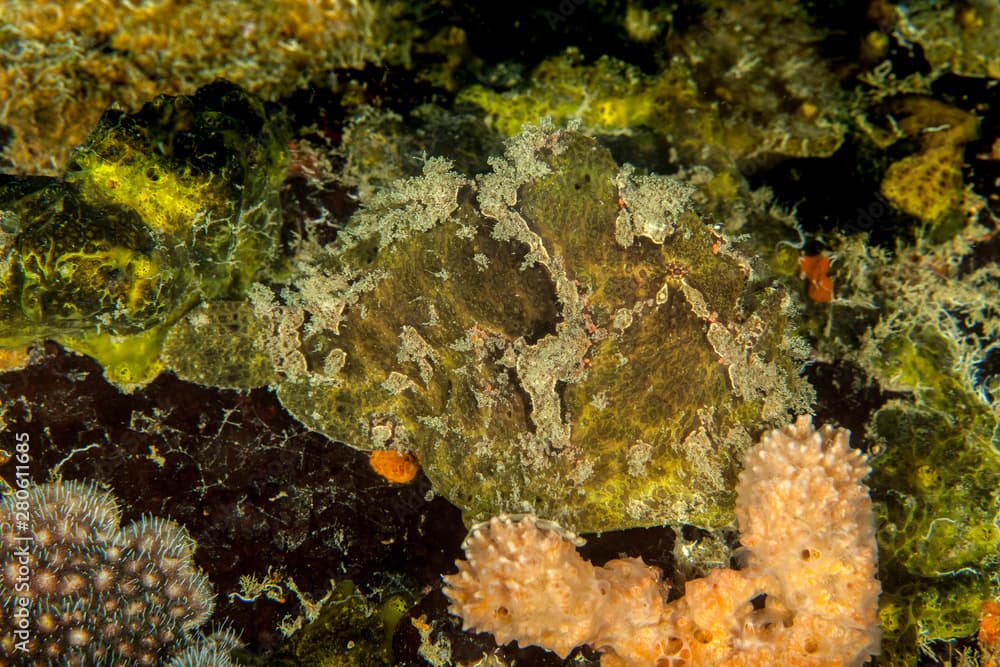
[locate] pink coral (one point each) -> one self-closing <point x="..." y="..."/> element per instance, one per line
<point x="806" y="596"/>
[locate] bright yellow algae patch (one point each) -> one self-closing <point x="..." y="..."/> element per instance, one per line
<point x="158" y="211"/>
<point x="167" y="202"/>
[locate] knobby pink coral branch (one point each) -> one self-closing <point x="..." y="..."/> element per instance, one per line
<point x="808" y="534"/>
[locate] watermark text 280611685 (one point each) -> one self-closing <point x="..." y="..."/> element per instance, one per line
<point x="22" y="540"/>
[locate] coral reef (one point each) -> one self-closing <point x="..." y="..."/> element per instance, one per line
<point x="955" y="37"/>
<point x="64" y="62"/>
<point x="497" y="329"/>
<point x="159" y="210"/>
<point x="744" y="84"/>
<point x="549" y="330"/>
<point x="760" y="64"/>
<point x="922" y="325"/>
<point x="80" y="589"/>
<point x="806" y="595"/>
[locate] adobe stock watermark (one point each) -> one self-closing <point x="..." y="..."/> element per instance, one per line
<point x="564" y="12"/>
<point x="23" y="541"/>
<point x="865" y="216"/>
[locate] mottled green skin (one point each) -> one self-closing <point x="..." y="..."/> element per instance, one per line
<point x="157" y="211"/>
<point x="219" y="330"/>
<point x="510" y="376"/>
<point x="936" y="489"/>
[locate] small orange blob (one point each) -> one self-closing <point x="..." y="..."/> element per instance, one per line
<point x="398" y="467"/>
<point x="814" y="269"/>
<point x="989" y="634"/>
